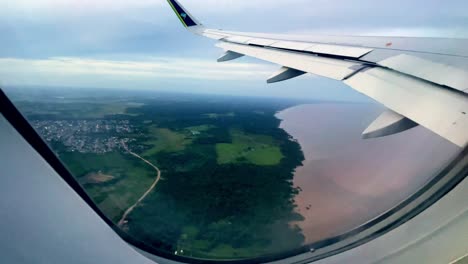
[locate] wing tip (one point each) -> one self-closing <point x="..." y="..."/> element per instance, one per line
<point x="184" y="16"/>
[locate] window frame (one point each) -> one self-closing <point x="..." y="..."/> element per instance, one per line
<point x="447" y="179"/>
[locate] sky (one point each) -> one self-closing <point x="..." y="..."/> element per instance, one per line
<point x="142" y="45"/>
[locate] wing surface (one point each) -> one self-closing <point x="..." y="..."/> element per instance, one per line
<point x="422" y="81"/>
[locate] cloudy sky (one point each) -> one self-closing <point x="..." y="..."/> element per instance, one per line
<point x="141" y="45"/>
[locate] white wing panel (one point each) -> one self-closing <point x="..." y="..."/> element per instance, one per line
<point x="337" y="50"/>
<point x="213" y="36"/>
<point x="262" y="42"/>
<point x="353" y="52"/>
<point x="441" y="110"/>
<point x="238" y="39"/>
<point x="331" y="68"/>
<point x="292" y="45"/>
<point x="441" y="46"/>
<point x="428" y="70"/>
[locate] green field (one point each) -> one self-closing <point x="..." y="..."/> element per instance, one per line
<point x="165" y="140"/>
<point x="114" y="109"/>
<point x="256" y="149"/>
<point x="200" y="128"/>
<point x="219" y="115"/>
<point x="132" y="178"/>
<point x="169" y="141"/>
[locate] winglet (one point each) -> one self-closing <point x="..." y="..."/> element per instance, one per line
<point x="184" y="16"/>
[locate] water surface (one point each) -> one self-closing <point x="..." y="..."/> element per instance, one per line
<point x="346" y="180"/>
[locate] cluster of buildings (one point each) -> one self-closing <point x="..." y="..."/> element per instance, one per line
<point x="86" y="136"/>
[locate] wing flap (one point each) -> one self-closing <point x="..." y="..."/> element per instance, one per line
<point x="330" y="68"/>
<point x="345" y="51"/>
<point x="238" y="39"/>
<point x="436" y="46"/>
<point x="430" y="105"/>
<point x="435" y="72"/>
<point x="335" y="50"/>
<point x="291" y="45"/>
<point x="262" y="42"/>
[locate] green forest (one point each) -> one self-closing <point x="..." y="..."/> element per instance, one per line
<point x="226" y="188"/>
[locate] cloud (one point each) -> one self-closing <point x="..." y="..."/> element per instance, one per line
<point x="39" y="71"/>
<point x="169" y="74"/>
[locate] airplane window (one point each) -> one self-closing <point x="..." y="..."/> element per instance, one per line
<point x="204" y="160"/>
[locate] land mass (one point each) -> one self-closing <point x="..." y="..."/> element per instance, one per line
<point x="224" y="175"/>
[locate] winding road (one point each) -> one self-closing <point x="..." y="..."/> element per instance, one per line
<point x="123" y="220"/>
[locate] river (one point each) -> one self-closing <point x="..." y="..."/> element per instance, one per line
<point x="345" y="180"/>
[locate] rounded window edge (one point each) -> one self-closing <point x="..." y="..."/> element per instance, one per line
<point x="438" y="187"/>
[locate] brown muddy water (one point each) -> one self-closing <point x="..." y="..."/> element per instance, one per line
<point x="347" y="181"/>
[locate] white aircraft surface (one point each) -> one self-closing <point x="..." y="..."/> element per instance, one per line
<point x="422" y="81"/>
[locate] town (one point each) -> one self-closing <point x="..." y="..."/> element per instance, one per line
<point x="86" y="136"/>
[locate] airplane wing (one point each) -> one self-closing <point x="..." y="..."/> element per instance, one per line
<point x="422" y="81"/>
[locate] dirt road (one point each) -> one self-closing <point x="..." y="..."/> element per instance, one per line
<point x="123" y="220"/>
